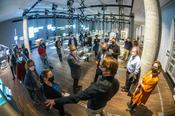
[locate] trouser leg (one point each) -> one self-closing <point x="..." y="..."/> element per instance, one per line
<point x="127" y="54"/>
<point x="75" y="84"/>
<point x="127" y="83"/>
<point x="61" y="110"/>
<point x="60" y="57"/>
<point x="98" y="73"/>
<point x="13" y="71"/>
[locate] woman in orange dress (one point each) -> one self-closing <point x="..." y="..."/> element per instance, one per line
<point x="144" y="89"/>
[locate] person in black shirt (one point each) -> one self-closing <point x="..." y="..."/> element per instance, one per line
<point x="12" y="63"/>
<point x="98" y="93"/>
<point x="114" y="49"/>
<point x="25" y="51"/>
<point x="72" y="41"/>
<point x="96" y="44"/>
<point x="58" y="45"/>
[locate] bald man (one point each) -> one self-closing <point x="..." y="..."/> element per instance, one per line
<point x="75" y="67"/>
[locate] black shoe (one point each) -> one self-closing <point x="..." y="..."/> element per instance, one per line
<point x="125" y="90"/>
<point x="130" y="110"/>
<point x="79" y="86"/>
<point x="129" y="104"/>
<point x="67" y="114"/>
<point x="50" y="67"/>
<point x="123" y="87"/>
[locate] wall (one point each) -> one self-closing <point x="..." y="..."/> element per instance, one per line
<point x="168" y="14"/>
<point x="7" y="29"/>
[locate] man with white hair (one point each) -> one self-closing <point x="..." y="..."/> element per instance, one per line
<point x="133" y="71"/>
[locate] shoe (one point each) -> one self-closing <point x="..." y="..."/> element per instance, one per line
<point x="67" y="114"/>
<point x="123" y="87"/>
<point x="130" y="110"/>
<point x="124" y="90"/>
<point x="128" y="104"/>
<point x="50" y="67"/>
<point x="79" y="86"/>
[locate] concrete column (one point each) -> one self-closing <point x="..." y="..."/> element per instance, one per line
<point x="25" y="34"/>
<point x="152" y="34"/>
<point x="131" y="26"/>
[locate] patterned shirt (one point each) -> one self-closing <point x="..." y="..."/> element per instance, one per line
<point x="134" y="64"/>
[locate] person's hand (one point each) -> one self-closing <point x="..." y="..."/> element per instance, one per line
<point x="112" y="52"/>
<point x="49" y="103"/>
<point x="142" y="84"/>
<point x="62" y="94"/>
<point x="96" y="62"/>
<point x="35" y="89"/>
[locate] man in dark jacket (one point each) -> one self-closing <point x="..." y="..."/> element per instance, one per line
<point x="25" y="51"/>
<point x="12" y="63"/>
<point x="75" y="67"/>
<point x="127" y="49"/>
<point x="101" y="54"/>
<point x="98" y="93"/>
<point x="96" y="45"/>
<point x="58" y="45"/>
<point x="114" y="49"/>
<point x="72" y="41"/>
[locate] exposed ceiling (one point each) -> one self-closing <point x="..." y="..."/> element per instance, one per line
<point x="14" y="8"/>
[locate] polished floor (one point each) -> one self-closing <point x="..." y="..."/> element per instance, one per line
<point x="159" y="103"/>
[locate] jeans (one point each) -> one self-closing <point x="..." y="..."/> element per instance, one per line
<point x="98" y="73"/>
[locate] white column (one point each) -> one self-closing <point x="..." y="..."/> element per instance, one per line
<point x="152" y="35"/>
<point x="25" y="34"/>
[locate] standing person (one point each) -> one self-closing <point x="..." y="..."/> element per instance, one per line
<point x="127" y="48"/>
<point x="97" y="94"/>
<point x="31" y="81"/>
<point x="133" y="71"/>
<point x="102" y="54"/>
<point x="72" y="41"/>
<point x="25" y="51"/>
<point x="86" y="42"/>
<point x="106" y="39"/>
<point x="81" y="38"/>
<point x="147" y="85"/>
<point x="114" y="49"/>
<point x="43" y="44"/>
<point x="136" y="44"/>
<point x="20" y="68"/>
<point x="58" y="45"/>
<point x="43" y="56"/>
<point x="12" y="63"/>
<point x="90" y="41"/>
<point x="16" y="50"/>
<point x="51" y="89"/>
<point x="75" y="67"/>
<point x="96" y="45"/>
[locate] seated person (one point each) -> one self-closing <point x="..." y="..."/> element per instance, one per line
<point x="51" y="89"/>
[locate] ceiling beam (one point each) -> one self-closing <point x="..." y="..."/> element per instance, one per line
<point x="105" y="5"/>
<point x="132" y="4"/>
<point x="109" y="15"/>
<point x="28" y="10"/>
